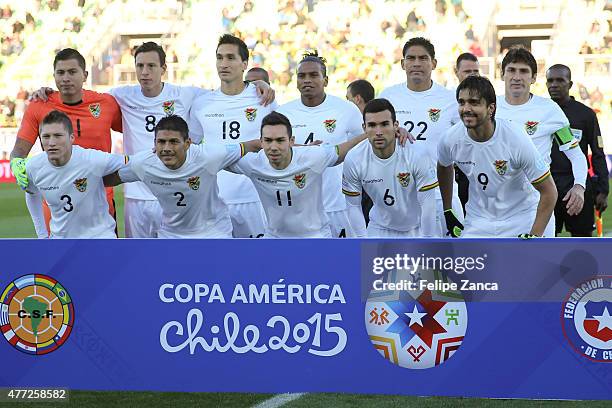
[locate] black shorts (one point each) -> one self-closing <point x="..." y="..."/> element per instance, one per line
<point x="581" y="225"/>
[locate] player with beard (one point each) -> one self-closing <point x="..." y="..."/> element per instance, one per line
<point x="501" y="164"/>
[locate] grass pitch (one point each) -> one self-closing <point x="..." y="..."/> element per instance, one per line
<point x="15" y="222"/>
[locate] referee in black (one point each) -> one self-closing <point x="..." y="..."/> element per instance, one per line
<point x="585" y="127"/>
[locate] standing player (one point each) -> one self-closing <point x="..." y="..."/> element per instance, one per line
<point x="542" y="120"/>
<point x="500" y="162"/>
<point x="229" y="115"/>
<point x="585" y="128"/>
<point x="318" y="116"/>
<point x="424" y="107"/>
<point x="92" y="114"/>
<point x="142" y="106"/>
<point x="69" y="178"/>
<point x="183" y="178"/>
<point x="466" y="65"/>
<point x="257" y="74"/>
<point x="360" y="92"/>
<point x="400" y="180"/>
<point x="289" y="179"/>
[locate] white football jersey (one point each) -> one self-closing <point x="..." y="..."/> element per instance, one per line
<point x="334" y="121"/>
<point x="426" y="114"/>
<point x="189" y="195"/>
<point x="140" y="115"/>
<point x="391" y="183"/>
<point x="292" y="197"/>
<point x="75" y="192"/>
<point x="225" y="119"/>
<point x="500" y="170"/>
<point x="539" y="118"/>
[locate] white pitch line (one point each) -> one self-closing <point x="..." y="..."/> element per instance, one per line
<point x="279" y="400"/>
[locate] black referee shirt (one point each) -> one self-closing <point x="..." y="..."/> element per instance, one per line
<point x="581" y="117"/>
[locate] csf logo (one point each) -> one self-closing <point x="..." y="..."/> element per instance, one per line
<point x="36" y="314"/>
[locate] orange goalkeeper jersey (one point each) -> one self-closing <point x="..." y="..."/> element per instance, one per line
<point x="92" y="119"/>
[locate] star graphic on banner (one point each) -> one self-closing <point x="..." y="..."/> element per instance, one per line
<point x="431" y="326"/>
<point x="605" y="320"/>
<point x="415" y="316"/>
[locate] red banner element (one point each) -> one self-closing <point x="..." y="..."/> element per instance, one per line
<point x="6" y="176"/>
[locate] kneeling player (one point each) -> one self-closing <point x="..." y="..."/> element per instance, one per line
<point x="500" y="161"/>
<point x="400" y="180"/>
<point x="69" y="178"/>
<point x="183" y="178"/>
<point x="289" y="179"/>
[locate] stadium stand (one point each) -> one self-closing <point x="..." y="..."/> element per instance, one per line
<point x="363" y="41"/>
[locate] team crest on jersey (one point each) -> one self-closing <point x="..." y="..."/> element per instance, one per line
<point x="250" y="113"/>
<point x="330" y="125"/>
<point x="81" y="184"/>
<point x="193" y="182"/>
<point x="501" y="166"/>
<point x="404" y="179"/>
<point x="586" y="318"/>
<point x="95" y="110"/>
<point x="531" y="127"/>
<point x="300" y="180"/>
<point x="168" y="107"/>
<point x="434" y="114"/>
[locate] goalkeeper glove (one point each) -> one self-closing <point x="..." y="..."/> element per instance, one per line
<point x="453" y="225"/>
<point x="18" y="167"/>
<point x="528" y="236"/>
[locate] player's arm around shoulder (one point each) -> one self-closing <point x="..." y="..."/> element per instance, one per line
<point x="125" y="169"/>
<point x="343" y="148"/>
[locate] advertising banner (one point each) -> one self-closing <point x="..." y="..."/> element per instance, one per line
<point x="474" y="318"/>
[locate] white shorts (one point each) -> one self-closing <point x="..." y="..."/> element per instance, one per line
<point x="375" y="231"/>
<point x="339" y="224"/>
<point x="248" y="220"/>
<point x="142" y="218"/>
<point x="221" y="229"/>
<point x="476" y="227"/>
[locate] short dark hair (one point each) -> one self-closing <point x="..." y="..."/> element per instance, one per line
<point x="276" y="118"/>
<point x="379" y="105"/>
<point x="313" y="56"/>
<point x="151" y="46"/>
<point x="68" y="54"/>
<point x="479" y="85"/>
<point x="230" y="39"/>
<point x="173" y="122"/>
<point x="562" y="67"/>
<point x="56" y="116"/>
<point x="423" y="42"/>
<point x="362" y="88"/>
<point x="261" y="71"/>
<point x="518" y="53"/>
<point x="466" y="56"/>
